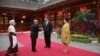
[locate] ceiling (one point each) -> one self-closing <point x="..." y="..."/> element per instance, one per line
<point x="40" y="4"/>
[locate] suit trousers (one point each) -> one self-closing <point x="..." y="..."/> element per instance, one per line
<point x="47" y="39"/>
<point x="33" y="41"/>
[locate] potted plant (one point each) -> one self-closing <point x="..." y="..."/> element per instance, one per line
<point x="98" y="39"/>
<point x="85" y="19"/>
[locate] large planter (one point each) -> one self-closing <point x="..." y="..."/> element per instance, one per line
<point x="98" y="40"/>
<point x="81" y="38"/>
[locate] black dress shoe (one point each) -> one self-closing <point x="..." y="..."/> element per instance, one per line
<point x="47" y="47"/>
<point x="6" y="54"/>
<point x="34" y="50"/>
<point x="15" y="54"/>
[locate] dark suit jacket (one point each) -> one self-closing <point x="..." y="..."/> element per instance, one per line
<point x="34" y="31"/>
<point x="47" y="28"/>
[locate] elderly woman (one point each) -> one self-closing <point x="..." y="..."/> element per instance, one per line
<point x="65" y="36"/>
<point x="13" y="48"/>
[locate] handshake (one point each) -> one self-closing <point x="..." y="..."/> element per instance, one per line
<point x="41" y="29"/>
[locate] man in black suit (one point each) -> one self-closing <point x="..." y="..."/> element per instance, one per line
<point x="34" y="34"/>
<point x="47" y="27"/>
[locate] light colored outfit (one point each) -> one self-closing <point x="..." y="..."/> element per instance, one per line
<point x="65" y="35"/>
<point x="13" y="48"/>
<point x="12" y="29"/>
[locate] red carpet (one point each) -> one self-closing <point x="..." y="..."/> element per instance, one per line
<point x="55" y="50"/>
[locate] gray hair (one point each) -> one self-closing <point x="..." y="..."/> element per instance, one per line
<point x="12" y="22"/>
<point x="35" y="20"/>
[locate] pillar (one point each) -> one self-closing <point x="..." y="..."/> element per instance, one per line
<point x="98" y="17"/>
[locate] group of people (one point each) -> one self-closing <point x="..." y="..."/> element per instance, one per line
<point x="47" y="27"/>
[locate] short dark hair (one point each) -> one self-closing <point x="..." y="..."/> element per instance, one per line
<point x="66" y="19"/>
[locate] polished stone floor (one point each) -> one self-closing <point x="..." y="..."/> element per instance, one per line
<point x="4" y="42"/>
<point x="93" y="47"/>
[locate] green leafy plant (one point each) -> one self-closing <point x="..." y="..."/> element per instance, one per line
<point x="85" y="20"/>
<point x="80" y="17"/>
<point x="81" y="38"/>
<point x="98" y="39"/>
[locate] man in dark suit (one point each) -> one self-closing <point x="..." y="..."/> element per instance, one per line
<point x="34" y="34"/>
<point x="47" y="27"/>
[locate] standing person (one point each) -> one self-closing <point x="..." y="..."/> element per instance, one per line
<point x="13" y="48"/>
<point x="47" y="27"/>
<point x="34" y="34"/>
<point x="65" y="36"/>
